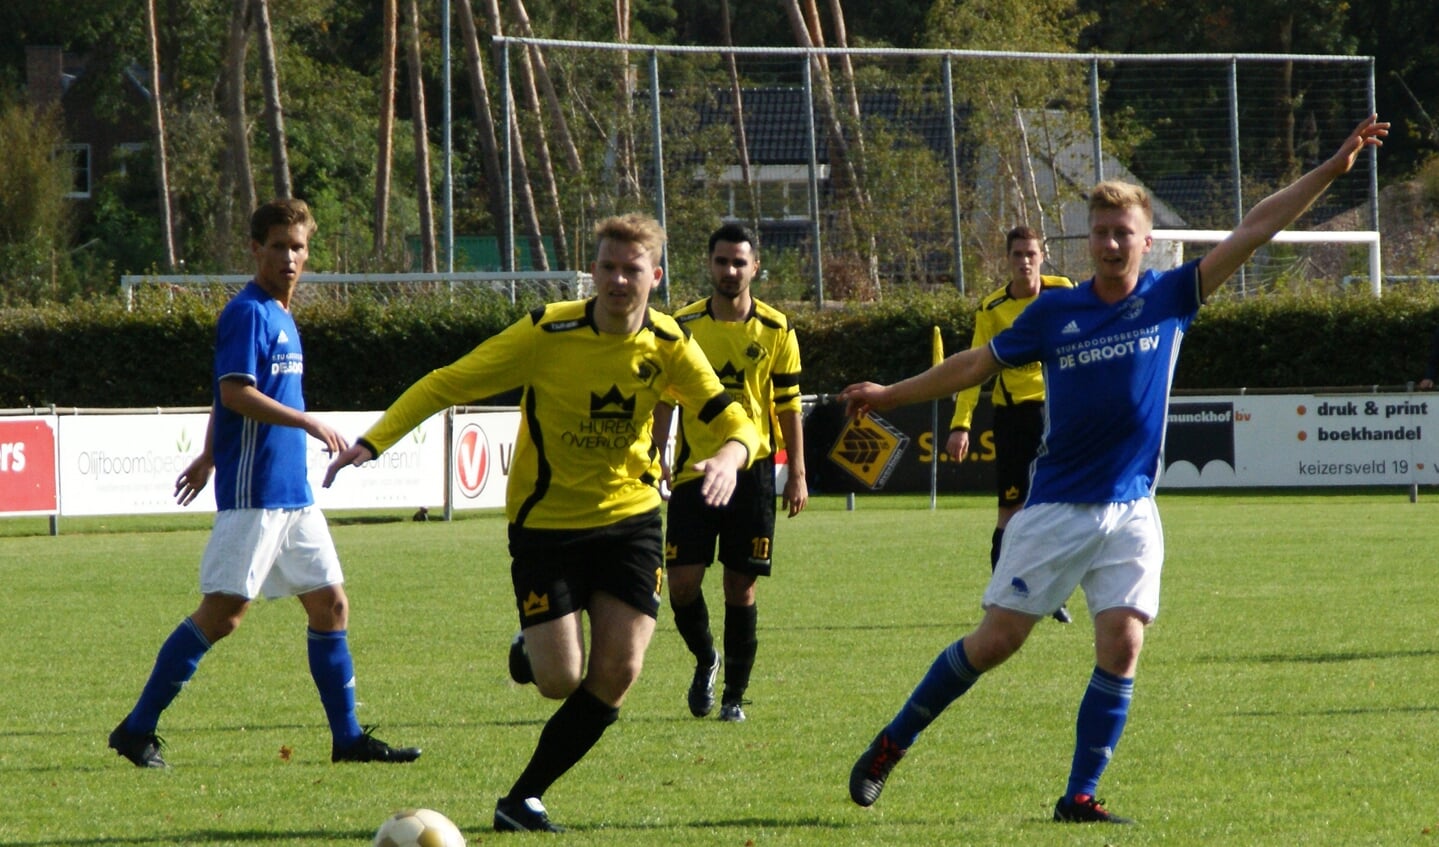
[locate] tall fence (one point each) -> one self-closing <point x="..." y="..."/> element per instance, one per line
<point x="865" y="168"/>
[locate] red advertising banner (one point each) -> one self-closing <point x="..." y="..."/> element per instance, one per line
<point x="27" y="466"/>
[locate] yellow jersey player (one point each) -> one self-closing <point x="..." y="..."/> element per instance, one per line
<point x="583" y="500"/>
<point x="754" y="351"/>
<point x="1018" y="395"/>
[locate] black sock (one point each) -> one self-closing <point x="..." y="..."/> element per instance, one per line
<point x="740" y="645"/>
<point x="994" y="544"/>
<point x="693" y="622"/>
<point x="568" y="735"/>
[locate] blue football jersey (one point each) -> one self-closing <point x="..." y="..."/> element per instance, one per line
<point x="1108" y="370"/>
<point x="259" y="466"/>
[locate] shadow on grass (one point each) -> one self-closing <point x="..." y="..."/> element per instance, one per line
<point x="204" y="836"/>
<point x="1325" y="658"/>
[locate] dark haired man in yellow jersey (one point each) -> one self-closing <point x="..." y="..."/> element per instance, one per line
<point x="1018" y="394"/>
<point x="583" y="500"/>
<point x="753" y="350"/>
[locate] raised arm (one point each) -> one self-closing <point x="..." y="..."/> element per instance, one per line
<point x="1284" y="206"/>
<point x="963" y="369"/>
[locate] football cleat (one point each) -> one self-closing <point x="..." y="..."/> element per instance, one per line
<point x="867" y="777"/>
<point x="1082" y="808"/>
<point x="702" y="687"/>
<point x="371" y="749"/>
<point x="141" y="748"/>
<point x="520" y="670"/>
<point x="732" y="711"/>
<point x="526" y="815"/>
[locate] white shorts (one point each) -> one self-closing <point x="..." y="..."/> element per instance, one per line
<point x="280" y="552"/>
<point x="1114" y="550"/>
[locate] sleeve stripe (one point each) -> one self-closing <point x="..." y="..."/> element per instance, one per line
<point x="713" y="407"/>
<point x="785" y="380"/>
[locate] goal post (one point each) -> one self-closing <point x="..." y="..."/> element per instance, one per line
<point x="1365" y="237"/>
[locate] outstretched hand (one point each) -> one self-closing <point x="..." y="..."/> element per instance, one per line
<point x="355" y="454"/>
<point x="1370" y="133"/>
<point x="862" y="398"/>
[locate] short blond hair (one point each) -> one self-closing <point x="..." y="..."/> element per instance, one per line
<point x="1114" y="194"/>
<point x="633" y="228"/>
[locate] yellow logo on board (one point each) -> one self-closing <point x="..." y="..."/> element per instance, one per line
<point x="869" y="449"/>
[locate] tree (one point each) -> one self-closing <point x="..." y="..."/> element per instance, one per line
<point x="33" y="221"/>
<point x="274" y="113"/>
<point x="167" y="227"/>
<point x="428" y="262"/>
<point x="238" y="180"/>
<point x="384" y="159"/>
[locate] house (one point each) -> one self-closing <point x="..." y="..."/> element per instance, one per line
<point x="98" y="141"/>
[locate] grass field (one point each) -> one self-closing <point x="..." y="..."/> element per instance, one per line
<point x="1287" y="693"/>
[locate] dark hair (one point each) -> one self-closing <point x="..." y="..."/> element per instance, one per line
<point x="734" y="234"/>
<point x="286" y="213"/>
<point x="1022" y="233"/>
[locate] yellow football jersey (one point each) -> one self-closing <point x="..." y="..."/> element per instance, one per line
<point x="995" y="314"/>
<point x="584" y="455"/>
<point x="757" y="360"/>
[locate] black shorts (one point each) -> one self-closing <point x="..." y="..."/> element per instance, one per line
<point x="744" y="527"/>
<point x="554" y="571"/>
<point x="1018" y="429"/>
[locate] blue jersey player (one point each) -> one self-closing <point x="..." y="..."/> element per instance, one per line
<point x="1108" y="348"/>
<point x="268" y="536"/>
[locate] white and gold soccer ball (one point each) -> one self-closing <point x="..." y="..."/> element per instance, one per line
<point x="418" y="828"/>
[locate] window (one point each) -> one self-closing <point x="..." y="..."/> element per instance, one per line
<point x="78" y="156"/>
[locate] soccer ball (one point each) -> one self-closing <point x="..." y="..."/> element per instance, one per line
<point x="418" y="828"/>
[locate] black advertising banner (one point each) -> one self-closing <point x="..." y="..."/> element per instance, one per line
<point x="892" y="451"/>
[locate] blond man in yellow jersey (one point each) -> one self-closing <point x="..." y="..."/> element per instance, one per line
<point x="583" y="500"/>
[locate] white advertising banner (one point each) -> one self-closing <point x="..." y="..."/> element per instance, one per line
<point x="409" y="475"/>
<point x="127" y="464"/>
<point x="1301" y="440"/>
<point x="484" y="446"/>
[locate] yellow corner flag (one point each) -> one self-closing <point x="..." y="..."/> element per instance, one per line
<point x="937" y="348"/>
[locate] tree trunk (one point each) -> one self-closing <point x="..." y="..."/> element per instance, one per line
<point x="627" y="178"/>
<point x="239" y="179"/>
<point x="751" y="190"/>
<point x="485" y="119"/>
<point x="167" y="227"/>
<point x="520" y="170"/>
<point x="542" y="151"/>
<point x="428" y="262"/>
<point x="385" y="157"/>
<point x="274" y="115"/>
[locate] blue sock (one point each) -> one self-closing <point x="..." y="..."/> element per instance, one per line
<point x="334" y="675"/>
<point x="950" y="676"/>
<point x="174" y="665"/>
<point x="1102" y="714"/>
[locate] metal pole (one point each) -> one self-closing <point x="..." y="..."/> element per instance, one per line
<point x="1095" y="125"/>
<point x="1234" y="160"/>
<point x="507" y="251"/>
<point x="449" y="187"/>
<point x="954" y="211"/>
<point x="809" y="132"/>
<point x="1376" y="271"/>
<point x="659" y="165"/>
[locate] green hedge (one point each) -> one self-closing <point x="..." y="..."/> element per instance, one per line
<point x="361" y="355"/>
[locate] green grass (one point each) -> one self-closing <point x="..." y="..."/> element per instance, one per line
<point x="1286" y="693"/>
